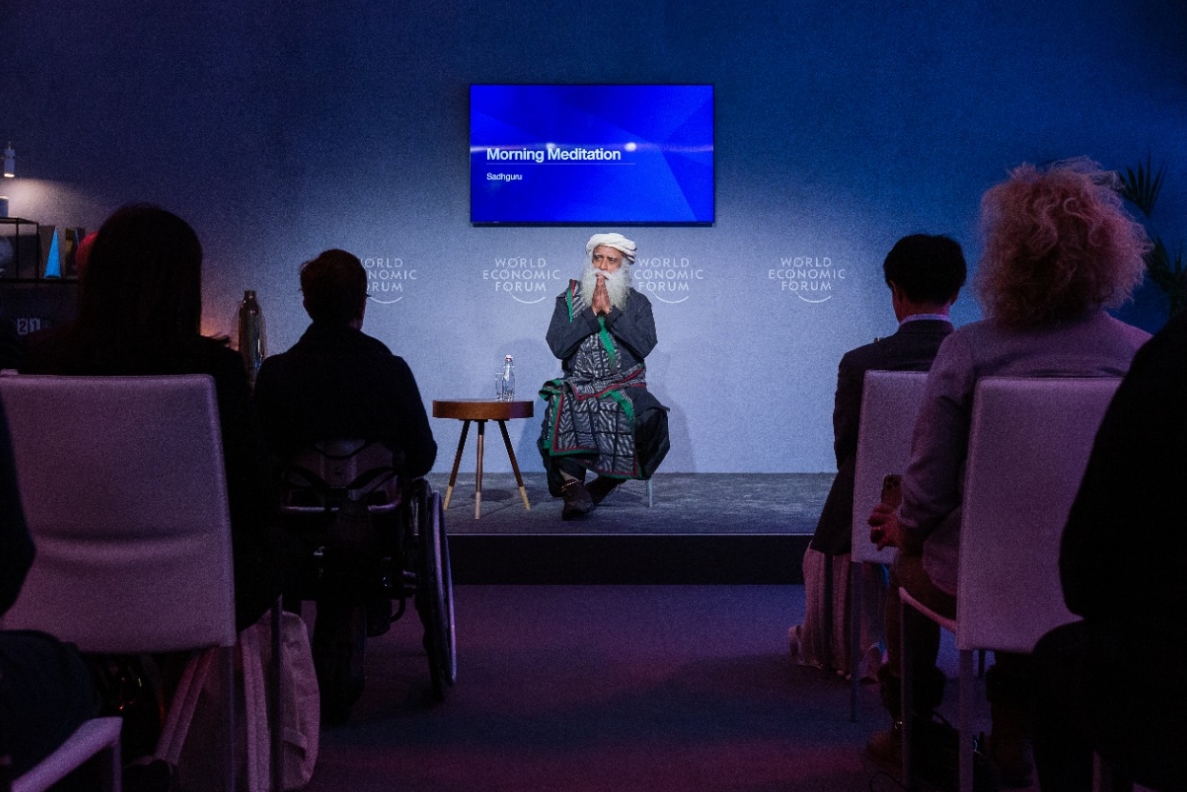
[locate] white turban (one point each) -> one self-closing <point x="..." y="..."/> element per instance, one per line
<point x="616" y="241"/>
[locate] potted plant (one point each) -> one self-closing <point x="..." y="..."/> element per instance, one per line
<point x="1141" y="188"/>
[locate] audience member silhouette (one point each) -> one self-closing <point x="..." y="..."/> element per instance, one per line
<point x="924" y="274"/>
<point x="1113" y="682"/>
<point x="1058" y="250"/>
<point x="140" y="311"/>
<point x="339" y="383"/>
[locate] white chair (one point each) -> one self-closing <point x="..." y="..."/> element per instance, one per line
<point x="889" y="404"/>
<point x="1029" y="442"/>
<point x="124" y="490"/>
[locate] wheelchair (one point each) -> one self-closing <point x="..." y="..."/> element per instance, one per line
<point x="368" y="542"/>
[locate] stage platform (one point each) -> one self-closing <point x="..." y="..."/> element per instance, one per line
<point x="701" y="528"/>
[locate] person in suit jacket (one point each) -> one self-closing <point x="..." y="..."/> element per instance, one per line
<point x="924" y="274"/>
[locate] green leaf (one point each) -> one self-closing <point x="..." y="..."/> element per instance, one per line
<point x="1141" y="187"/>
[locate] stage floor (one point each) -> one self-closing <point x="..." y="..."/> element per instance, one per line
<point x="684" y="503"/>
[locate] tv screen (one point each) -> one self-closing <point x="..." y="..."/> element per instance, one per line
<point x="591" y="154"/>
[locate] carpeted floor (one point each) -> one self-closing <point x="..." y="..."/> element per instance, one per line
<point x="682" y="503"/>
<point x="622" y="688"/>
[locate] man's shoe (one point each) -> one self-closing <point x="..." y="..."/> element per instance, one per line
<point x="602" y="486"/>
<point x="869" y="664"/>
<point x="886" y="748"/>
<point x="578" y="502"/>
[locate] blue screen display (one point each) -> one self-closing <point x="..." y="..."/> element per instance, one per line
<point x="591" y="154"/>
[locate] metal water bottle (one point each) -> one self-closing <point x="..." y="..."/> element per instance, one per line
<point x="505" y="381"/>
<point x="251" y="334"/>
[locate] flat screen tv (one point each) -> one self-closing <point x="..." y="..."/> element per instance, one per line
<point x="591" y="154"/>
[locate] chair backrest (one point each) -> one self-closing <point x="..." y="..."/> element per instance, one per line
<point x="889" y="404"/>
<point x="123" y="486"/>
<point x="327" y="473"/>
<point x="1029" y="442"/>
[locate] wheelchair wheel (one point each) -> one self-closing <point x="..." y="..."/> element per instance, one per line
<point x="434" y="595"/>
<point x="446" y="578"/>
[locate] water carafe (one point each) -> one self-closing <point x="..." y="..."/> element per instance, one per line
<point x="505" y="381"/>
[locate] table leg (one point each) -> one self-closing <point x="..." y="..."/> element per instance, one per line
<point x="478" y="471"/>
<point x="457" y="459"/>
<point x="523" y="493"/>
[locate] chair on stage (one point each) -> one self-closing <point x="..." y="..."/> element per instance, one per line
<point x="124" y="491"/>
<point x="1029" y="442"/>
<point x="889" y="403"/>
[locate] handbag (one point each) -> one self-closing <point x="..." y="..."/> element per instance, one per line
<point x="192" y="742"/>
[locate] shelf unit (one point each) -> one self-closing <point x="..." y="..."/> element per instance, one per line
<point x="27" y="297"/>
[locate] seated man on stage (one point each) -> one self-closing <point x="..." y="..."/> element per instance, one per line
<point x="600" y="415"/>
<point x="337" y="383"/>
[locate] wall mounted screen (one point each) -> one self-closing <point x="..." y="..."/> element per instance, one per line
<point x="591" y="154"/>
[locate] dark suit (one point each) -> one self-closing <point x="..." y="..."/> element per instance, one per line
<point x="822" y="640"/>
<point x="911" y="348"/>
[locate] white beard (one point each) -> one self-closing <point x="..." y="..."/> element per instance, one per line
<point x="618" y="285"/>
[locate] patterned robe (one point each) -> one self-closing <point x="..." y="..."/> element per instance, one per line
<point x="594" y="411"/>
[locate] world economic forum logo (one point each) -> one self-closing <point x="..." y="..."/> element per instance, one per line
<point x="525" y="279"/>
<point x="813" y="279"/>
<point x="669" y="279"/>
<point x="389" y="279"/>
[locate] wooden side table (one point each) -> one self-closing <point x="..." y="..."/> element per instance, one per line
<point x="483" y="410"/>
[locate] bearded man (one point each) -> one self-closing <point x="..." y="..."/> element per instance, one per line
<point x="600" y="415"/>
